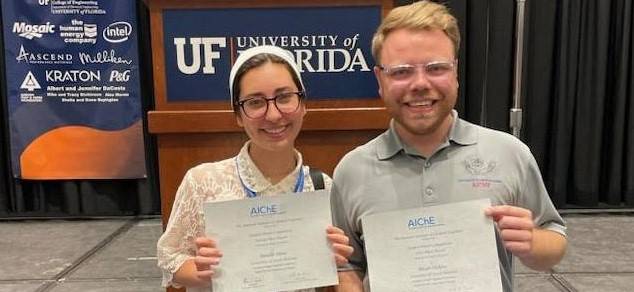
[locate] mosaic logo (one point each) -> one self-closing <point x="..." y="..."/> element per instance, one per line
<point x="31" y="31"/>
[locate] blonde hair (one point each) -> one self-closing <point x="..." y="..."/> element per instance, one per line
<point x="417" y="16"/>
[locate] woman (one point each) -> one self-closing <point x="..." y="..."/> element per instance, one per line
<point x="267" y="96"/>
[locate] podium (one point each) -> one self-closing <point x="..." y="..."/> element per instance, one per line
<point x="193" y="124"/>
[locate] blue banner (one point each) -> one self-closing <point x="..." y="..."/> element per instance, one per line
<point x="73" y="89"/>
<point x="331" y="46"/>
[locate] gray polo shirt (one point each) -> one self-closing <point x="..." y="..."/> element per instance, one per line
<point x="476" y="162"/>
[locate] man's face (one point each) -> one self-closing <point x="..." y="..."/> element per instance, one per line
<point x="420" y="99"/>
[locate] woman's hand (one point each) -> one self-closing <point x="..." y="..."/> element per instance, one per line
<point x="207" y="258"/>
<point x="340" y="245"/>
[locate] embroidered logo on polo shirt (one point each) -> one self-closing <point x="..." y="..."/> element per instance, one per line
<point x="481" y="170"/>
<point x="477" y="166"/>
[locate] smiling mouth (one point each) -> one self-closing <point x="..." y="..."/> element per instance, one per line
<point x="276" y="130"/>
<point x="420" y="103"/>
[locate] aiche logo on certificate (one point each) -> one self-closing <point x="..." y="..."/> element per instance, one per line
<point x="459" y="254"/>
<point x="264" y="210"/>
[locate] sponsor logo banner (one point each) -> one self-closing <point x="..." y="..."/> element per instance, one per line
<point x="73" y="89"/>
<point x="331" y="46"/>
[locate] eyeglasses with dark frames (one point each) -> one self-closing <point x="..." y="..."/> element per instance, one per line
<point x="255" y="107"/>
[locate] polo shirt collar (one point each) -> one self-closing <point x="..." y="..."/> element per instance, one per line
<point x="390" y="144"/>
<point x="462" y="132"/>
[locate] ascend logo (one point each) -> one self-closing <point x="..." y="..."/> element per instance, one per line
<point x="31" y="31"/>
<point x="117" y="32"/>
<point x="43" y="58"/>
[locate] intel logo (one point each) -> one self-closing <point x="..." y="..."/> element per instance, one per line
<point x="117" y="32"/>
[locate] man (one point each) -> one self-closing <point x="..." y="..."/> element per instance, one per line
<point x="430" y="156"/>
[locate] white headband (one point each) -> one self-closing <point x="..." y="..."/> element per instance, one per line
<point x="250" y="53"/>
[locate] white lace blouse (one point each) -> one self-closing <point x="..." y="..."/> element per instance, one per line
<point x="212" y="182"/>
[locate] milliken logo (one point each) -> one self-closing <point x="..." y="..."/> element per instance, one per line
<point x="31" y="31"/>
<point x="117" y="32"/>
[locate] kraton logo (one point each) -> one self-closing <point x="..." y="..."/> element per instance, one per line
<point x="208" y="54"/>
<point x="117" y="32"/>
<point x="73" y="76"/>
<point x="30" y="83"/>
<point x="31" y="31"/>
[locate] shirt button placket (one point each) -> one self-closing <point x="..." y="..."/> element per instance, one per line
<point x="428" y="190"/>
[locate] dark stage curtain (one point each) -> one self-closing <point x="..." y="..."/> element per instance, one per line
<point x="85" y="198"/>
<point x="577" y="90"/>
<point x="580" y="115"/>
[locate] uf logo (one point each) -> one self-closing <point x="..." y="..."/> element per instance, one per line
<point x="208" y="54"/>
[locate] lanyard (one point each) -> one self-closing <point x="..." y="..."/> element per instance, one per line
<point x="299" y="183"/>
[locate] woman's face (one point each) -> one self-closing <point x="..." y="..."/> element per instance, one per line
<point x="275" y="131"/>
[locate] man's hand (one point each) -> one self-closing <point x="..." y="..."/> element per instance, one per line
<point x="539" y="249"/>
<point x="516" y="228"/>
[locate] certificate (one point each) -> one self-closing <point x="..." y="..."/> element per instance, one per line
<point x="273" y="243"/>
<point x="439" y="248"/>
